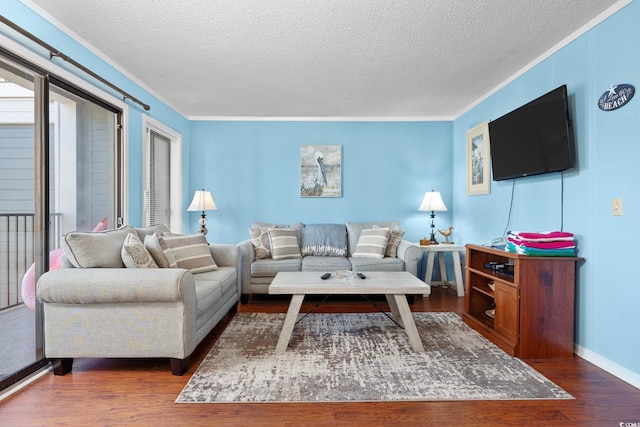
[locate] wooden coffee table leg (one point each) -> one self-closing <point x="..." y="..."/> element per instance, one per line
<point x="394" y="309"/>
<point x="409" y="324"/>
<point x="289" y="323"/>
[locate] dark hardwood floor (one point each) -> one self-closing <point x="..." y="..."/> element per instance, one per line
<point x="103" y="392"/>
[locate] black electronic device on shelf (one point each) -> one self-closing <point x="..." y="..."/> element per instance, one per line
<point x="499" y="267"/>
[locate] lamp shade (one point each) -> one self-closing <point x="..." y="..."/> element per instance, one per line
<point x="202" y="201"/>
<point x="432" y="202"/>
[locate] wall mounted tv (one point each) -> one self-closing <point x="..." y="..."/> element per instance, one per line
<point x="533" y="139"/>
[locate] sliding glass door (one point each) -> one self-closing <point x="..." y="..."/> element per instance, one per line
<point x="18" y="332"/>
<point x="60" y="171"/>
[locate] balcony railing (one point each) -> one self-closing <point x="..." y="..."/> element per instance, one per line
<point x="17" y="252"/>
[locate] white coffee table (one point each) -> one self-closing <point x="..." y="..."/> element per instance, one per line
<point x="395" y="285"/>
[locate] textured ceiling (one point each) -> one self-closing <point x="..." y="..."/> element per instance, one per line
<point x="321" y="58"/>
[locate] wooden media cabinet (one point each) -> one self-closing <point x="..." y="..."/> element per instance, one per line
<point x="533" y="309"/>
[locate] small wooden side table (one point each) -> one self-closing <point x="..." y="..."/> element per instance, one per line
<point x="441" y="249"/>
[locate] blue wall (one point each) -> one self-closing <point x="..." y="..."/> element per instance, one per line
<point x="608" y="153"/>
<point x="253" y="172"/>
<point x="41" y="28"/>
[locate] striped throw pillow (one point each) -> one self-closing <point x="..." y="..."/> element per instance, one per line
<point x="395" y="237"/>
<point x="372" y="243"/>
<point x="284" y="243"/>
<point x="190" y="252"/>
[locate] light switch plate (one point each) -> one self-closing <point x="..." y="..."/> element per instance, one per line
<point x="617" y="207"/>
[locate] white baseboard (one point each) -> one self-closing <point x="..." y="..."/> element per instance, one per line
<point x="613" y="368"/>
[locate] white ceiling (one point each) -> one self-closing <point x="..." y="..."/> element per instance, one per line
<point x="393" y="59"/>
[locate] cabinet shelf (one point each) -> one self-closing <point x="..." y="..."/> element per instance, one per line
<point x="534" y="308"/>
<point x="487" y="291"/>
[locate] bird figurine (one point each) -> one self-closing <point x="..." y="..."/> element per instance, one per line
<point x="446" y="233"/>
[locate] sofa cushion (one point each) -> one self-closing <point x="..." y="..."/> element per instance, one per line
<point x="355" y="228"/>
<point x="374" y="264"/>
<point x="284" y="243"/>
<point x="372" y="243"/>
<point x="325" y="264"/>
<point x="96" y="250"/>
<point x="134" y="254"/>
<point x="208" y="292"/>
<point x="191" y="252"/>
<point x="395" y="237"/>
<point x="162" y="258"/>
<point x="269" y="267"/>
<point x="226" y="276"/>
<point x="324" y="240"/>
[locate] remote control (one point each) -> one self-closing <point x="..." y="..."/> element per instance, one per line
<point x="362" y="276"/>
<point x="325" y="276"/>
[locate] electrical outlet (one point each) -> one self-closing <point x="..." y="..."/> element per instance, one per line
<point x="617" y="207"/>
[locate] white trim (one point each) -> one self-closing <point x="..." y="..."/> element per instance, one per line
<point x="320" y="119"/>
<point x="125" y="166"/>
<point x="613" y="368"/>
<point x="567" y="40"/>
<point x="149" y="122"/>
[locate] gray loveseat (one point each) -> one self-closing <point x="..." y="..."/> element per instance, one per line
<point x="96" y="307"/>
<point x="321" y="250"/>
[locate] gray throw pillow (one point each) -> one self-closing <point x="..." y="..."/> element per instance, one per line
<point x="96" y="250"/>
<point x="260" y="240"/>
<point x="395" y="237"/>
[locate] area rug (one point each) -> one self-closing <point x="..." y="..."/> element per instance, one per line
<point x="360" y="357"/>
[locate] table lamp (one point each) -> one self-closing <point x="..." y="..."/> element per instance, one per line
<point x="432" y="202"/>
<point x="202" y="201"/>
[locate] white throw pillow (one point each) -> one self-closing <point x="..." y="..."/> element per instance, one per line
<point x="372" y="243"/>
<point x="135" y="255"/>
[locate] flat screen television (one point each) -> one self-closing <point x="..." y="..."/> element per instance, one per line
<point x="533" y="139"/>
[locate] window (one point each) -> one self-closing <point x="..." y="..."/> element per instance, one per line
<point x="162" y="175"/>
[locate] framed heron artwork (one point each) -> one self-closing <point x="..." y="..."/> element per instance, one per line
<point x="321" y="171"/>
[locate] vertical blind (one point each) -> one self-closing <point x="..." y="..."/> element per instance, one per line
<point x="159" y="203"/>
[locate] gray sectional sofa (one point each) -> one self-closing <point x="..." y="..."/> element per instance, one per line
<point x="323" y="248"/>
<point x="97" y="307"/>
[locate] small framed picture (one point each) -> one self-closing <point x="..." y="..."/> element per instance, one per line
<point x="478" y="167"/>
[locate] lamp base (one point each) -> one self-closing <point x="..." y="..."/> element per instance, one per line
<point x="203" y="224"/>
<point x="433" y="240"/>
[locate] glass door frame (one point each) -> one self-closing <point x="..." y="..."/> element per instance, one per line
<point x="43" y="80"/>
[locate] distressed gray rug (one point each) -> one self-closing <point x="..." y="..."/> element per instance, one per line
<point x="360" y="357"/>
